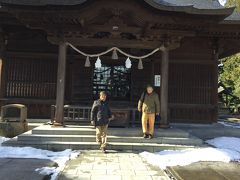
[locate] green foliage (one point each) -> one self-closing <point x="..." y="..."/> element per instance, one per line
<point x="230" y="76"/>
<point x="233" y="3"/>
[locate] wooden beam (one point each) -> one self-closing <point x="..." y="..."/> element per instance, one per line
<point x="28" y="100"/>
<point x="92" y="29"/>
<point x="121" y="43"/>
<point x="59" y="114"/>
<point x="43" y="56"/>
<point x="164" y="86"/>
<point x="190" y="106"/>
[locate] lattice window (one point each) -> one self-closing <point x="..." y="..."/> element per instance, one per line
<point x="116" y="80"/>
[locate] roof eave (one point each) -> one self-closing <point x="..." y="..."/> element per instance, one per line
<point x="230" y="22"/>
<point x="42" y="3"/>
<point x="184" y="9"/>
<point x="191" y="9"/>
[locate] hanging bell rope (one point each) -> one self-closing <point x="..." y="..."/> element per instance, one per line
<point x="114" y="49"/>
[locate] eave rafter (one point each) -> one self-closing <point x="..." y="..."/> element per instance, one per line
<point x="116" y="24"/>
<point x="106" y="26"/>
<point x="221" y="31"/>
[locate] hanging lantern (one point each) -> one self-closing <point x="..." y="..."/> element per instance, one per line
<point x="87" y="62"/>
<point x="128" y="63"/>
<point x="140" y="64"/>
<point x="98" y="63"/>
<point x="114" y="54"/>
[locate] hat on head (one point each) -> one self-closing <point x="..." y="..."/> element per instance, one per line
<point x="149" y="85"/>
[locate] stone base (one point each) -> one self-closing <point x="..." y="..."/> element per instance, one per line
<point x="12" y="129"/>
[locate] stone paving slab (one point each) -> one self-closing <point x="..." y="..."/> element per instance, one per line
<point x="122" y="165"/>
<point x="22" y="169"/>
<point x="207" y="170"/>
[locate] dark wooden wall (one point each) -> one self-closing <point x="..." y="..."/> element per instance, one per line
<point x="190" y="93"/>
<point x="30" y="78"/>
<point x="81" y="82"/>
<point x="140" y="79"/>
<point x="191" y="82"/>
<point x="30" y="81"/>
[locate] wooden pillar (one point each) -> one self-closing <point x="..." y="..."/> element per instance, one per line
<point x="164" y="87"/>
<point x="2" y="70"/>
<point x="0" y="75"/>
<point x="215" y="85"/>
<point x="59" y="113"/>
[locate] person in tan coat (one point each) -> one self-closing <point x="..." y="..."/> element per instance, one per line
<point x="149" y="105"/>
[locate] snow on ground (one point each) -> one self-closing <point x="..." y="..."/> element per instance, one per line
<point x="226" y="149"/>
<point x="231" y="143"/>
<point x="28" y="152"/>
<point x="230" y="124"/>
<point x="2" y="139"/>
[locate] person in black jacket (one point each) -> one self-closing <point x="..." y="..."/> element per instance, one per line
<point x="100" y="117"/>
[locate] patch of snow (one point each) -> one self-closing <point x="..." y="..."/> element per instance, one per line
<point x="28" y="152"/>
<point x="230" y="124"/>
<point x="3" y="139"/>
<point x="227" y="149"/>
<point x="53" y="171"/>
<point x="231" y="143"/>
<point x="222" y="2"/>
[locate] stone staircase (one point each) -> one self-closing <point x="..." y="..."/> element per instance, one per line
<point x="83" y="138"/>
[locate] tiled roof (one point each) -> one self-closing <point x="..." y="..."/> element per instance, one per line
<point x="198" y="4"/>
<point x="204" y="7"/>
<point x="233" y="18"/>
<point x="42" y="2"/>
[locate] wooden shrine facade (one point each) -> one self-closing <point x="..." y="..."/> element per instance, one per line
<point x="39" y="69"/>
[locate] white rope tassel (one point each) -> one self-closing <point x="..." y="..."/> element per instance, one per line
<point x="87" y="62"/>
<point x="114" y="55"/>
<point x="140" y="64"/>
<point x="98" y="63"/>
<point x="128" y="63"/>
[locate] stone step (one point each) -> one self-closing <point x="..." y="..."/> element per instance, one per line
<point x="59" y="146"/>
<point x="92" y="138"/>
<point x="34" y="125"/>
<point x="83" y="138"/>
<point x="89" y="130"/>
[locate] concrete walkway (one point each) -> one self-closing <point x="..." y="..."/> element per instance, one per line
<point x="95" y="165"/>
